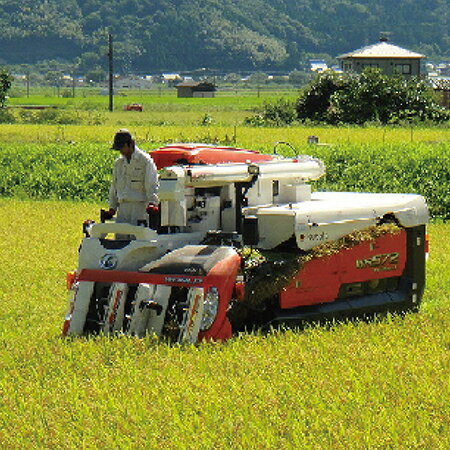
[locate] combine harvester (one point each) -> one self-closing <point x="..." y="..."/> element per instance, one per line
<point x="240" y="241"/>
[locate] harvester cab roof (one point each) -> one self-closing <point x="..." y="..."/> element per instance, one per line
<point x="194" y="154"/>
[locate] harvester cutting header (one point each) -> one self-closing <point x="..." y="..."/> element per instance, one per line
<point x="239" y="240"/>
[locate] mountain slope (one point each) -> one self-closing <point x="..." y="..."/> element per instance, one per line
<point x="226" y="34"/>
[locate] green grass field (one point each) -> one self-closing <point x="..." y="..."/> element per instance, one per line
<point x="161" y="108"/>
<point x="228" y="108"/>
<point x="361" y="385"/>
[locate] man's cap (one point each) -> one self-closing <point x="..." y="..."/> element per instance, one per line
<point x="122" y="137"/>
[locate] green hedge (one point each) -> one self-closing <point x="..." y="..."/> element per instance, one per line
<point x="75" y="172"/>
<point x="83" y="172"/>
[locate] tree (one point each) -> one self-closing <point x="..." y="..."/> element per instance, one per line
<point x="315" y="101"/>
<point x="298" y="78"/>
<point x="370" y="96"/>
<point x="5" y="84"/>
<point x="258" y="78"/>
<point x="88" y="60"/>
<point x="96" y="75"/>
<point x="54" y="77"/>
<point x="233" y="78"/>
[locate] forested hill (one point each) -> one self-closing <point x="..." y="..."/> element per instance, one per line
<point x="225" y="34"/>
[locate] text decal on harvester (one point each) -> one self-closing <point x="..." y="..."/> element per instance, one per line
<point x="385" y="261"/>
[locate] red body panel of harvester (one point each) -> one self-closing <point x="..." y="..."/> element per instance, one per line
<point x="196" y="154"/>
<point x="222" y="276"/>
<point x="320" y="280"/>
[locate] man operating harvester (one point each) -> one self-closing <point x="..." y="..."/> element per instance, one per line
<point x="134" y="186"/>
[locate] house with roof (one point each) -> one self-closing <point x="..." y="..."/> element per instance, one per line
<point x="197" y="89"/>
<point x="390" y="58"/>
<point x="318" y="65"/>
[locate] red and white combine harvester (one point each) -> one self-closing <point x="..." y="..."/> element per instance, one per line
<point x="240" y="241"/>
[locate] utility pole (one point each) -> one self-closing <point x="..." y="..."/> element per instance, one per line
<point x="110" y="59"/>
<point x="28" y="83"/>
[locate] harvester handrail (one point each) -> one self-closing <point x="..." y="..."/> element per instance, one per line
<point x="98" y="230"/>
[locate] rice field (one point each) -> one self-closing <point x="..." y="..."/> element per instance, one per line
<point x="383" y="384"/>
<point x="247" y="137"/>
<point x="357" y="385"/>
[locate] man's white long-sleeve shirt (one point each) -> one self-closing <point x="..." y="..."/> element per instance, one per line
<point x="134" y="181"/>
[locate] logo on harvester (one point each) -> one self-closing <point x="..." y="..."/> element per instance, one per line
<point x="379" y="263"/>
<point x="108" y="261"/>
<point x="315" y="237"/>
<point x="175" y="279"/>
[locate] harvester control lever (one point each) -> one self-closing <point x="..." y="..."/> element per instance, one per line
<point x="153" y="216"/>
<point x="86" y="226"/>
<point x="150" y="304"/>
<point x="106" y="215"/>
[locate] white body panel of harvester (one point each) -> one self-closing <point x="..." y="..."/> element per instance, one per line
<point x="327" y="216"/>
